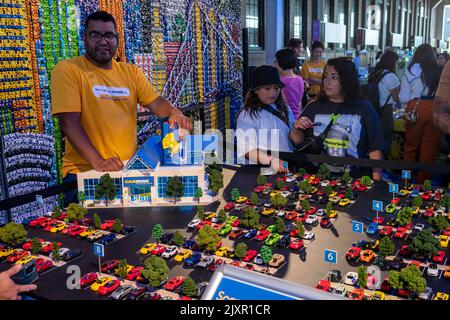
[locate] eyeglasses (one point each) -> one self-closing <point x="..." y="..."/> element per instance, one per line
<point x="97" y="36"/>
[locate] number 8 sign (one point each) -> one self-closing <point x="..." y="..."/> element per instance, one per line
<point x="99" y="250"/>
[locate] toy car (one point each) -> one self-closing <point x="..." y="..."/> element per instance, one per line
<point x="277" y="260"/>
<point x="88" y="279"/>
<point x="235" y="234"/>
<point x="372" y="228"/>
<point x="391" y="208"/>
<point x="443" y="241"/>
<point x="205" y="262"/>
<point x="108" y="287"/>
<point x="367" y="256"/>
<point x="107" y="224"/>
<point x="182" y="255"/>
<point x="324" y="285"/>
<point x="344" y="202"/>
<point x="351" y="278"/>
<point x="122" y="292"/>
<point x="107" y="238"/>
<point x="134" y="273"/>
<point x="309" y="236"/>
<point x="43" y="265"/>
<point x="136" y="293"/>
<point x="272" y="239"/>
<point x="71" y="254"/>
<point x="229" y="206"/>
<point x="147" y="248"/>
<point x="262" y="235"/>
<point x="170" y="252"/>
<point x="193" y="224"/>
<point x="174" y="283"/>
<point x="222" y="251"/>
<point x="193" y="259"/>
<point x="296" y="244"/>
<point x="400" y="233"/>
<point x="250" y="234"/>
<point x="100" y="282"/>
<point x="225" y="229"/>
<point x="158" y="250"/>
<point x="325" y="223"/>
<point x="386" y="231"/>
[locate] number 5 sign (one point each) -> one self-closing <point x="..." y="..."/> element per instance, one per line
<point x="330" y="256"/>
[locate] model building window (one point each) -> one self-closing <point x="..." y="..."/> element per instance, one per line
<point x="89" y="188"/>
<point x="295" y="19"/>
<point x="255" y="23"/>
<point x="190" y="184"/>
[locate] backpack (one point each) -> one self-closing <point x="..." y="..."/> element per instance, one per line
<point x="371" y="92"/>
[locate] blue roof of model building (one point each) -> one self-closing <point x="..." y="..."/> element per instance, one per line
<point x="150" y="153"/>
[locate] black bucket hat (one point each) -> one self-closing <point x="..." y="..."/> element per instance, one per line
<point x="266" y="75"/>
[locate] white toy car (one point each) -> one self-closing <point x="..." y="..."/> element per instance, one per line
<point x="309" y="236"/>
<point x="351" y="278"/>
<point x="170" y="252"/>
<point x="194" y="223"/>
<point x="433" y="270"/>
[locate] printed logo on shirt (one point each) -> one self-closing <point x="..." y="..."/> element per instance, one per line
<point x="316" y="70"/>
<point x="111" y="93"/>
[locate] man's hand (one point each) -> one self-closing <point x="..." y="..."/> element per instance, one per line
<point x="111" y="164"/>
<point x="8" y="289"/>
<point x="303" y="123"/>
<point x="184" y="123"/>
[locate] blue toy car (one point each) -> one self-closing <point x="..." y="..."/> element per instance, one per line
<point x="372" y="228"/>
<point x="193" y="259"/>
<point x="107" y="238"/>
<point x="251" y="234"/>
<point x="189" y="244"/>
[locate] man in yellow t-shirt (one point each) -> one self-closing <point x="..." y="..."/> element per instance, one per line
<point x="312" y="70"/>
<point x="95" y="98"/>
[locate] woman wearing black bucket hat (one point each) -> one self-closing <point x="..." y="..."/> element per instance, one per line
<point x="265" y="121"/>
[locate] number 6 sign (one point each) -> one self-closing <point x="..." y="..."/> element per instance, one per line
<point x="330" y="256"/>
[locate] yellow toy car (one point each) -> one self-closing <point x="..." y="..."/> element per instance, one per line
<point x="332" y="195"/>
<point x="184" y="253"/>
<point x="267" y="211"/>
<point x="128" y="269"/>
<point x="415" y="210"/>
<point x="7" y="252"/>
<point x="377" y="295"/>
<point x="443" y="240"/>
<point x="274" y="193"/>
<point x="87" y="232"/>
<point x="147" y="248"/>
<point x="209" y="215"/>
<point x="26" y="259"/>
<point x="222" y="251"/>
<point x="441" y="296"/>
<point x="333" y="214"/>
<point x="100" y="282"/>
<point x="241" y="199"/>
<point x="58" y="228"/>
<point x="344" y="202"/>
<point x="313" y="190"/>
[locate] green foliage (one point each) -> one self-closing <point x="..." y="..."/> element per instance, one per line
<point x="425" y="243"/>
<point x="75" y="212"/>
<point x="117" y="226"/>
<point x="81" y="197"/>
<point x="208" y="238"/>
<point x="305" y="186"/>
<point x="250" y="218"/>
<point x="261" y="180"/>
<point x="324" y="172"/>
<point x="417" y="201"/>
<point x="278" y="201"/>
<point x="122" y="268"/>
<point x="301" y="172"/>
<point x="427" y="185"/>
<point x="254" y="198"/>
<point x="155" y="270"/>
<point x="235" y="194"/>
<point x="97" y="221"/>
<point x="175" y="188"/>
<point x="215" y="178"/>
<point x="222" y="216"/>
<point x="266" y="254"/>
<point x="198" y="194"/>
<point x="55" y="251"/>
<point x="305" y="205"/>
<point x="365" y="181"/>
<point x="36" y="246"/>
<point x="408" y="278"/>
<point x="200" y="212"/>
<point x="301" y="229"/>
<point x="279" y="184"/>
<point x="328" y="190"/>
<point x="439" y="222"/>
<point x="404" y="216"/>
<point x="349" y="194"/>
<point x="346" y="177"/>
<point x="445" y="201"/>
<point x="178" y="238"/>
<point x="394" y="280"/>
<point x="56" y="212"/>
<point x="189" y="287"/>
<point x="280" y="225"/>
<point x="241" y="250"/>
<point x="105" y="188"/>
<point x="362" y="276"/>
<point x="13" y="233"/>
<point x="157" y="232"/>
<point x="328" y="209"/>
<point x="386" y="247"/>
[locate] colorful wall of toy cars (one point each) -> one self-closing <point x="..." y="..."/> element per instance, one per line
<point x="189" y="49"/>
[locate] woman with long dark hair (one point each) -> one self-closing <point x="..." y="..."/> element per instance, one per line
<point x="265" y="121"/>
<point x="389" y="89"/>
<point x="418" y="88"/>
<point x="353" y="125"/>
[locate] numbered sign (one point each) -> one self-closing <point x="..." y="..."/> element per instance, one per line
<point x="285" y="165"/>
<point x="330" y="256"/>
<point x="39" y="199"/>
<point x="99" y="250"/>
<point x="415" y="193"/>
<point x="393" y="188"/>
<point x="377" y="205"/>
<point x="406" y="174"/>
<point x="357" y="227"/>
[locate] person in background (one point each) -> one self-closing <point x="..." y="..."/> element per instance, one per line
<point x="378" y="56"/>
<point x="9" y="290"/>
<point x="357" y="61"/>
<point x="420" y="81"/>
<point x="294" y="84"/>
<point x="442" y="58"/>
<point x="355" y="130"/>
<point x="312" y="70"/>
<point x="389" y="89"/>
<point x="296" y="45"/>
<point x="265" y="120"/>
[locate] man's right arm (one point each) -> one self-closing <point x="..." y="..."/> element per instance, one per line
<point x="73" y="130"/>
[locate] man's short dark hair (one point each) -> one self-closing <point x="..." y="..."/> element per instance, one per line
<point x="317" y="44"/>
<point x="294" y="43"/>
<point x="286" y="58"/>
<point x="100" y="16"/>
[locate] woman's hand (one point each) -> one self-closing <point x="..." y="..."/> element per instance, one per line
<point x="303" y="123"/>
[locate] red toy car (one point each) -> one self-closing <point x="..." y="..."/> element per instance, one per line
<point x="395" y="201"/>
<point x="262" y="235"/>
<point x="296" y="244"/>
<point x="324" y="285"/>
<point x="236" y="223"/>
<point x="250" y="255"/>
<point x="429" y="213"/>
<point x="174" y="283"/>
<point x="259" y="189"/>
<point x="439" y="256"/>
<point x="229" y="206"/>
<point x="16" y="256"/>
<point x="202" y="224"/>
<point x="216" y="264"/>
<point x="109" y="287"/>
<point x="43" y="265"/>
<point x="426" y="195"/>
<point x="446" y="231"/>
<point x="312" y="210"/>
<point x="49" y="247"/>
<point x="27" y="245"/>
<point x="88" y="279"/>
<point x="361" y="188"/>
<point x="386" y="231"/>
<point x="107" y="225"/>
<point x="291" y="215"/>
<point x="400" y="233"/>
<point x="353" y="253"/>
<point x="38" y="221"/>
<point x="378" y="220"/>
<point x="77" y="232"/>
<point x="158" y="250"/>
<point x="67" y="230"/>
<point x="405" y="250"/>
<point x="109" y="266"/>
<point x="134" y="273"/>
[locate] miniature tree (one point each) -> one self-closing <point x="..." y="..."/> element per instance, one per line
<point x="117" y="226"/>
<point x="55" y="252"/>
<point x="215" y="178"/>
<point x="280" y="225"/>
<point x="13" y="234"/>
<point x="324" y="172"/>
<point x="346" y="177"/>
<point x="222" y="216"/>
<point x="279" y="184"/>
<point x="122" y="269"/>
<point x="328" y="190"/>
<point x="36" y="246"/>
<point x="278" y="201"/>
<point x="81" y="197"/>
<point x="306" y="206"/>
<point x="97" y="221"/>
<point x="198" y="194"/>
<point x="365" y="181"/>
<point x="157" y="232"/>
<point x="56" y="212"/>
<point x="235" y="194"/>
<point x="241" y="250"/>
<point x="175" y="188"/>
<point x="305" y="186"/>
<point x="75" y="212"/>
<point x="329" y="209"/>
<point x="445" y="202"/>
<point x="427" y="185"/>
<point x="250" y="218"/>
<point x="301" y="172"/>
<point x="417" y="202"/>
<point x="254" y="198"/>
<point x="155" y="270"/>
<point x="404" y="216"/>
<point x="386" y="247"/>
<point x="178" y="238"/>
<point x="439" y="222"/>
<point x="362" y="276"/>
<point x="189" y="287"/>
<point x="261" y="180"/>
<point x="425" y="243"/>
<point x="394" y="280"/>
<point x="349" y="194"/>
<point x="412" y="279"/>
<point x="105" y="188"/>
<point x="266" y="254"/>
<point x="201" y="213"/>
<point x="208" y="238"/>
<point x="301" y="229"/>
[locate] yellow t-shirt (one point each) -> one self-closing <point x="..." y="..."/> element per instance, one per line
<point x="315" y="71"/>
<point x="107" y="100"/>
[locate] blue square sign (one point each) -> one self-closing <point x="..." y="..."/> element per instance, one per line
<point x="393" y="188"/>
<point x="377" y="205"/>
<point x="406" y="174"/>
<point x="357" y="227"/>
<point x="330" y="256"/>
<point x="99" y="250"/>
